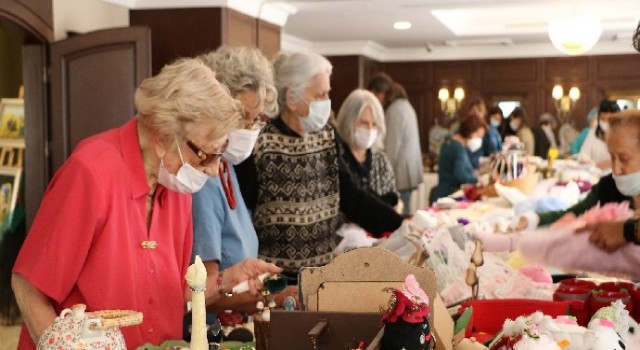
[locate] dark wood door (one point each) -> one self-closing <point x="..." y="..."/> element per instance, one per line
<point x="93" y="80"/>
<point x="87" y="88"/>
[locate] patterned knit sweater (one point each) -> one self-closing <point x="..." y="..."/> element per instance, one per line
<point x="298" y="200"/>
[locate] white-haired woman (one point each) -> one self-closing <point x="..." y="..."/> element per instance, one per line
<point x="296" y="179"/>
<point x="222" y="227"/>
<point x="360" y="124"/>
<point x="114" y="230"/>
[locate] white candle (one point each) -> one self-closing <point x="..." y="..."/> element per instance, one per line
<point x="197" y="279"/>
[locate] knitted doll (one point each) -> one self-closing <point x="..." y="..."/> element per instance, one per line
<point x="407" y="319"/>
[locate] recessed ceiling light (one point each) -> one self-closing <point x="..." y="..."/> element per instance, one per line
<point x="402" y="25"/>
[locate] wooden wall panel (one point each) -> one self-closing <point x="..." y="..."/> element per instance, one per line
<point x="520" y="70"/>
<point x="200" y="30"/>
<point x="407" y="72"/>
<point x="239" y="29"/>
<point x="619" y="68"/>
<point x="344" y="79"/>
<point x="558" y="69"/>
<point x="452" y="73"/>
<point x="268" y="37"/>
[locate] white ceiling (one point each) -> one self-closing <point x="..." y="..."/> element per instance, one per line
<point x="442" y="29"/>
<point x="448" y="29"/>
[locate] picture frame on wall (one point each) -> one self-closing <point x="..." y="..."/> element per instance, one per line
<point x="11" y="118"/>
<point x="9" y="189"/>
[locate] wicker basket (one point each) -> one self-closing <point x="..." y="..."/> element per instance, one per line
<point x="526" y="184"/>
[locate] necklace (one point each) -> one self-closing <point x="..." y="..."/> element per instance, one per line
<point x="227" y="183"/>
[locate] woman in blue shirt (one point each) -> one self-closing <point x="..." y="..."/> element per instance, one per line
<point x="222" y="226"/>
<point x="454" y="166"/>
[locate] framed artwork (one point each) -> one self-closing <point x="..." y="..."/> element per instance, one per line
<point x="11" y="118"/>
<point x="9" y="188"/>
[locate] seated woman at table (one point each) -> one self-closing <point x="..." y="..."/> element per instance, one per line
<point x="623" y="184"/>
<point x="360" y="124"/>
<point x="454" y="166"/>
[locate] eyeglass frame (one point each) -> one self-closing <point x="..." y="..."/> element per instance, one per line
<point x="207" y="158"/>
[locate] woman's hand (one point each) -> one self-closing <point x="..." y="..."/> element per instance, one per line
<point x="608" y="236"/>
<point x="247" y="270"/>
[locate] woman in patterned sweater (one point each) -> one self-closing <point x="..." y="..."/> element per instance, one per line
<point x="296" y="182"/>
<point x="361" y="126"/>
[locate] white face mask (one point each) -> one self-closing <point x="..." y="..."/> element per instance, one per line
<point x="604" y="125"/>
<point x="364" y="138"/>
<point x="495" y="123"/>
<point x="241" y="142"/>
<point x="514" y="126"/>
<point x="188" y="179"/>
<point x="474" y="144"/>
<point x="629" y="184"/>
<point x="319" y="112"/>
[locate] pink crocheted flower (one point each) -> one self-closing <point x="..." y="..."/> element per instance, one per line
<point x="607" y="212"/>
<point x="412" y="290"/>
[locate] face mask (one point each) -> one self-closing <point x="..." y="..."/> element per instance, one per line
<point x="629" y="184"/>
<point x="319" y="112"/>
<point x="364" y="138"/>
<point x="604" y="126"/>
<point x="241" y="142"/>
<point x="188" y="179"/>
<point x="474" y="144"/>
<point x="494" y="123"/>
<point x="514" y="126"/>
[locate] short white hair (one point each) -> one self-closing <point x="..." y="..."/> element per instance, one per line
<point x="295" y="72"/>
<point x="351" y="110"/>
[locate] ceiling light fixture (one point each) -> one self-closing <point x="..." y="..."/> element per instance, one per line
<point x="575" y="35"/>
<point x="402" y="25"/>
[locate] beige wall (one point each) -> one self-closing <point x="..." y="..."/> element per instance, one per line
<point x="85" y="16"/>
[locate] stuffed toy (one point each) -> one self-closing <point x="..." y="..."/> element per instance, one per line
<point x="406" y="321"/>
<point x="559" y="246"/>
<point x="614" y="329"/>
<point x="569" y="335"/>
<point x="610" y="328"/>
<point x="526" y="333"/>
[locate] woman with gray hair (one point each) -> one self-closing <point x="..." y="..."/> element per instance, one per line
<point x="222" y="227"/>
<point x="114" y="229"/>
<point x="297" y="181"/>
<point x="360" y="124"/>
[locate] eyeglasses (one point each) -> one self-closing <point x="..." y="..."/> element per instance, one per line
<point x="256" y="123"/>
<point x="207" y="158"/>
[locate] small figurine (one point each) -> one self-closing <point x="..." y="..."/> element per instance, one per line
<point x="289" y="303"/>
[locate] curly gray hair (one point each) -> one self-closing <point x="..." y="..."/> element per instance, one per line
<point x="294" y="73"/>
<point x="352" y="109"/>
<point x="244" y="68"/>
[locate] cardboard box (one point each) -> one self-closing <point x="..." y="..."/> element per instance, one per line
<point x="354" y="281"/>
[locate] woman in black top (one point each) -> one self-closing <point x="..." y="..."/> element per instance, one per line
<point x="360" y="124"/>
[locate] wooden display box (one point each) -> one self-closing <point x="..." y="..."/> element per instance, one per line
<point x="343" y="330"/>
<point x="353" y="283"/>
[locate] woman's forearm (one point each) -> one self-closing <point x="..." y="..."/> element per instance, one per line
<point x="37" y="312"/>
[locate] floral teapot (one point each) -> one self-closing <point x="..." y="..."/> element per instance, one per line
<point x="77" y="329"/>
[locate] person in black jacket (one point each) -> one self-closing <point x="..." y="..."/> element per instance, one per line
<point x="623" y="184"/>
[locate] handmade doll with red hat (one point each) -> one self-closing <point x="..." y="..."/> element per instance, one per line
<point x="407" y="319"/>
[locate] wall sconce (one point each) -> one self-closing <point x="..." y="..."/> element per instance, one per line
<point x="450" y="105"/>
<point x="564" y="103"/>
